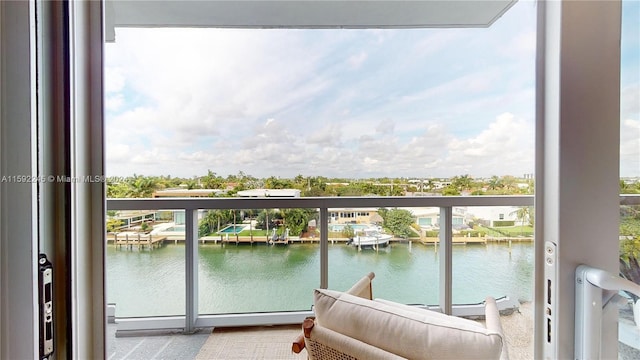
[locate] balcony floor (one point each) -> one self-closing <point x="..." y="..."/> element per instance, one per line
<point x="271" y="342"/>
<point x="260" y="342"/>
<point x="274" y="342"/>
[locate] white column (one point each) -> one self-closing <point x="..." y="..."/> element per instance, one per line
<point x="577" y="149"/>
<point x="86" y="148"/>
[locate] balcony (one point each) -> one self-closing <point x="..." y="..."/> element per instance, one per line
<point x="195" y="308"/>
<point x="436" y="289"/>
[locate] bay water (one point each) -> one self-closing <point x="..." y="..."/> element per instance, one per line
<point x="261" y="278"/>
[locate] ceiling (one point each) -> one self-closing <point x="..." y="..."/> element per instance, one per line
<point x="303" y="13"/>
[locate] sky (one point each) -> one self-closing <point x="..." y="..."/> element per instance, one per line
<point x="338" y="103"/>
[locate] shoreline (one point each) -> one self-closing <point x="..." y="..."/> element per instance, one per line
<point x="261" y="239"/>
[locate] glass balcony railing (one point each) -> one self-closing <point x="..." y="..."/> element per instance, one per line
<point x="191" y="269"/>
<point x="197" y="268"/>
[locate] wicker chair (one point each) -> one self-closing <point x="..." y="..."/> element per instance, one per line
<point x="351" y="325"/>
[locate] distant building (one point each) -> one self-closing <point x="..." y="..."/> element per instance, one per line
<point x="186" y="193"/>
<point x="131" y="218"/>
<point x="488" y="215"/>
<point x="429" y="218"/>
<point x="269" y="193"/>
<point x="354" y="216"/>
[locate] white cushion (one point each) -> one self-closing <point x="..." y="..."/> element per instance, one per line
<point x="410" y="333"/>
<point x="433" y="314"/>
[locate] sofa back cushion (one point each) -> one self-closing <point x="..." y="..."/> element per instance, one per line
<point x="413" y="334"/>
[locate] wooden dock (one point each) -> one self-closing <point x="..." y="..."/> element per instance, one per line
<point x="263" y="240"/>
<point x="255" y="240"/>
<point x="140" y="241"/>
<point x="457" y="240"/>
<point x="243" y="240"/>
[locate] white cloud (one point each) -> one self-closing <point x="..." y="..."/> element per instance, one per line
<point x="114" y="79"/>
<point x="117" y="153"/>
<point x="207" y="80"/>
<point x="505" y="147"/>
<point x="287" y="102"/>
<point x="433" y="44"/>
<point x="114" y="103"/>
<point x="522" y="46"/>
<point x="356" y="61"/>
<point x="630" y="100"/>
<point x="630" y="148"/>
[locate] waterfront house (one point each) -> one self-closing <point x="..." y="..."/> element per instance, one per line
<point x="429" y="218"/>
<point x="354" y="216"/>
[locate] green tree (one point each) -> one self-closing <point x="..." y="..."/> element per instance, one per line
<point x="145" y="227"/>
<point x="348" y="232"/>
<point x="430" y="185"/>
<point x="213" y="221"/>
<point x="277" y="183"/>
<point x="629" y="188"/>
<point x="113" y="225"/>
<point x="141" y="186"/>
<point x="451" y="190"/>
<point x="265" y="219"/>
<point x="510" y="184"/>
<point x="296" y="220"/>
<point x="117" y="190"/>
<point x="495" y="183"/>
<point x="250" y="213"/>
<point x="523" y="215"/>
<point x="212" y="181"/>
<point x="191" y="184"/>
<point x="399" y="222"/>
<point x="464" y="182"/>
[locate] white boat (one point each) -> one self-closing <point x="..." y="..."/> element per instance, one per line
<point x="369" y="238"/>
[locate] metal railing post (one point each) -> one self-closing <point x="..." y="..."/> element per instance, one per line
<point x="324" y="248"/>
<point x="446" y="258"/>
<point x="191" y="269"/>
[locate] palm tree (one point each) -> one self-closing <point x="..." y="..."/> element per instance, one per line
<point x="509" y="183"/>
<point x="430" y="185"/>
<point x="523" y="214"/>
<point x="495" y="183"/>
<point x="208" y="222"/>
<point x="234" y="223"/>
<point x="461" y="183"/>
<point x="250" y="213"/>
<point x="141" y="186"/>
<point x="212" y="181"/>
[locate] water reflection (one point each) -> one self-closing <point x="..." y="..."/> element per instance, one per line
<point x="258" y="278"/>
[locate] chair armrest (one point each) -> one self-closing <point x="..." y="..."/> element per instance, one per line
<point x="493" y="323"/>
<point x="298" y="344"/>
<point x="324" y="343"/>
<point x="363" y="287"/>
